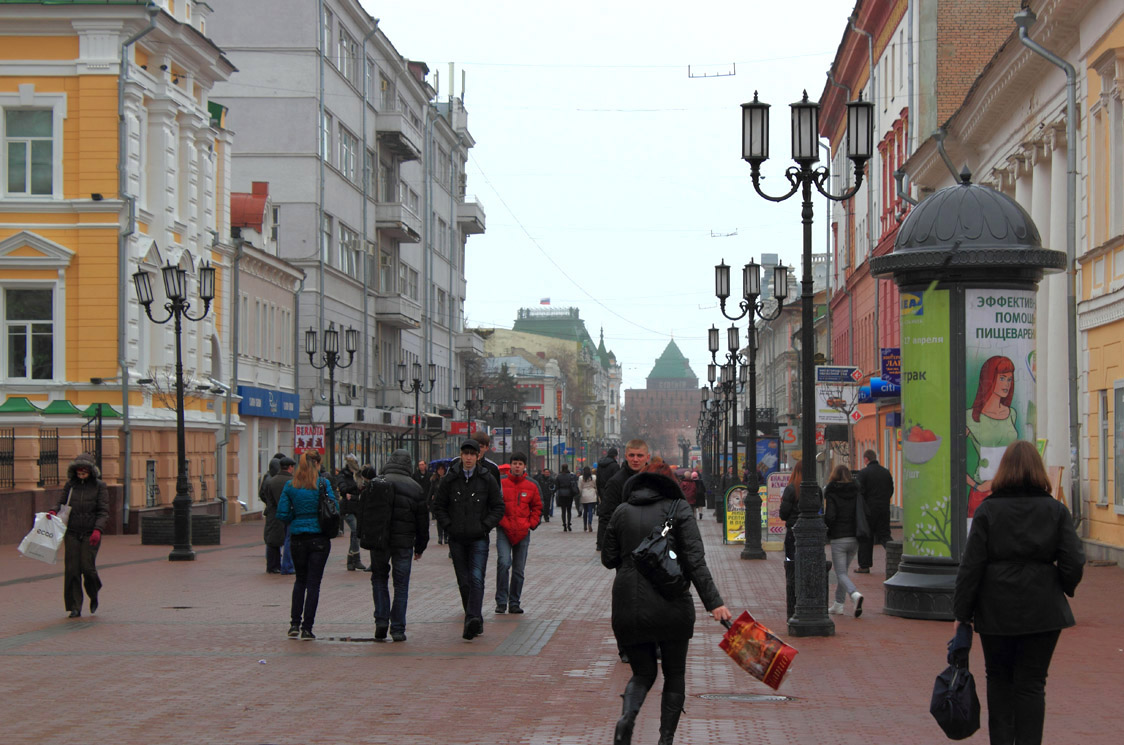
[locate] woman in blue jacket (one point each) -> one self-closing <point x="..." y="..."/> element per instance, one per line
<point x="299" y="508"/>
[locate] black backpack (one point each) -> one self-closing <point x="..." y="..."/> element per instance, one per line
<point x="375" y="508"/>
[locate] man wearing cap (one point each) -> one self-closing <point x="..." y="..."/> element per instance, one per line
<point x="276" y="532"/>
<point x="468" y="504"/>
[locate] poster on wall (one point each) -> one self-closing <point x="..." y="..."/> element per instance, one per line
<point x="1000" y="378"/>
<point x="768" y="458"/>
<point x="735" y="514"/>
<point x="774" y="490"/>
<point x="926" y="397"/>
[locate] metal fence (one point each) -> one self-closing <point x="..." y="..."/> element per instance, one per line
<point x="48" y="457"/>
<point x="7" y="458"/>
<point x="91" y="437"/>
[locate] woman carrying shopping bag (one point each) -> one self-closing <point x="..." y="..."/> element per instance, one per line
<point x="88" y="498"/>
<point x="299" y="507"/>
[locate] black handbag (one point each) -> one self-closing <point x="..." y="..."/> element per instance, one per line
<point x="955" y="705"/>
<point x="656" y="559"/>
<point x="328" y="512"/>
<point x="862" y="525"/>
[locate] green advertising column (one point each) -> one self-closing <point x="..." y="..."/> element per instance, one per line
<point x="967" y="261"/>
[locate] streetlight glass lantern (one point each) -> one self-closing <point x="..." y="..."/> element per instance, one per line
<point x="733" y="340"/>
<point x="457" y="394"/>
<point x="310" y="341"/>
<point x="780" y="282"/>
<point x="805" y="130"/>
<point x="174" y="281"/>
<point x="712" y="341"/>
<point x="351" y="340"/>
<point x="755" y="131"/>
<point x="722" y="281"/>
<point x="727" y="374"/>
<point x="479" y="393"/>
<point x="416" y="370"/>
<point x="207" y="282"/>
<point x="143" y="282"/>
<point x="401" y="372"/>
<point x="432" y="372"/>
<point x="751" y="280"/>
<point x="332" y="340"/>
<point x="860" y="130"/>
<point x="711" y="372"/>
<point x="743" y="374"/>
<point x="705" y="394"/>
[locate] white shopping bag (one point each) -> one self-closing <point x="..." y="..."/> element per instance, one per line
<point x="43" y="541"/>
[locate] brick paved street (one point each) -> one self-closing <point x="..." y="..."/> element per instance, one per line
<point x="196" y="653"/>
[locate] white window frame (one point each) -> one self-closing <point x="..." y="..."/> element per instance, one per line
<point x="27" y="98"/>
<point x="349" y="152"/>
<point x="326" y="138"/>
<point x="50" y="256"/>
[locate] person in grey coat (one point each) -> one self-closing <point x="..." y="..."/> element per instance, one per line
<point x="88" y="498"/>
<point x="276" y="533"/>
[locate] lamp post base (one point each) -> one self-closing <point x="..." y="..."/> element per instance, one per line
<point x="752" y="549"/>
<point x="810" y="618"/>
<point x="182" y="554"/>
<point x="922" y="588"/>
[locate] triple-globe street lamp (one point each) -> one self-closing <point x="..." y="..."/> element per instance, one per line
<point x="417" y="387"/>
<point x="178" y="307"/>
<point x="811" y="617"/>
<point x="330" y="358"/>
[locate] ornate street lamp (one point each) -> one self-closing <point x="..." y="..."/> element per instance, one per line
<point x="811" y="617"/>
<point x="330" y="358"/>
<point x="417" y="388"/>
<point x="472" y="397"/>
<point x="178" y="307"/>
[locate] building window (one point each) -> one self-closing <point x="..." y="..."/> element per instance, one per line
<point x="386" y="273"/>
<point x="349" y="155"/>
<point x="29" y="149"/>
<point x="403" y="278"/>
<point x="413" y="284"/>
<point x="442" y="237"/>
<point x="371" y="175"/>
<point x="326" y="137"/>
<point x="348" y="57"/>
<point x="389" y="96"/>
<point x="1102" y="454"/>
<point x="29" y="333"/>
<point x="326" y="33"/>
<point x="349" y="259"/>
<point x="441" y="310"/>
<point x="326" y="239"/>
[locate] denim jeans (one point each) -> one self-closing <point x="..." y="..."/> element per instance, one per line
<point x="396" y="561"/>
<point x="587" y="514"/>
<point x="510" y="562"/>
<point x="310" y="554"/>
<point x="843" y="552"/>
<point x="287" y="554"/>
<point x="352" y="523"/>
<point x="470" y="561"/>
<point x="547" y="504"/>
<point x="1016" y="685"/>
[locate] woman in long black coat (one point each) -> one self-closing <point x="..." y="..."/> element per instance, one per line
<point x="1022" y="558"/>
<point x="643" y="620"/>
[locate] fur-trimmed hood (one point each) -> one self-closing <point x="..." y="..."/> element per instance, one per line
<point x="646" y="487"/>
<point x="87" y="460"/>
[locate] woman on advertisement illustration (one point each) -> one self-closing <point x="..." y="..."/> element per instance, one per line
<point x="991" y="425"/>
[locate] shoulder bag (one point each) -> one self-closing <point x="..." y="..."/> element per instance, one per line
<point x="862" y="525"/>
<point x="656" y="559"/>
<point x="954" y="703"/>
<point x="328" y="512"/>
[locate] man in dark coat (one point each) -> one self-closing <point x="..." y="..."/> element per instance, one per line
<point x="548" y="485"/>
<point x="276" y="533"/>
<point x="636" y="456"/>
<point x="877" y="486"/>
<point x="421" y="475"/>
<point x="405" y="527"/>
<point x="468" y="505"/>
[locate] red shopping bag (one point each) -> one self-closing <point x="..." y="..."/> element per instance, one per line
<point x="757" y="650"/>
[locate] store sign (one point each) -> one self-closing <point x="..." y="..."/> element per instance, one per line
<point x="308" y="437"/>
<point x="266" y="402"/>
<point x="891" y="365"/>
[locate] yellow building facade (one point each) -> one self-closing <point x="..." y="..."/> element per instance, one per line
<point x="113" y="161"/>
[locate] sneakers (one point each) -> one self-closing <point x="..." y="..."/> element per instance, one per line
<point x="514" y="609"/>
<point x="502" y="609"/>
<point x="857" y="599"/>
<point x="398" y="636"/>
<point x="836" y="609"/>
<point x="307" y="635"/>
<point x="294" y="631"/>
<point x="473" y="628"/>
<point x="380" y="632"/>
<point x="862" y="570"/>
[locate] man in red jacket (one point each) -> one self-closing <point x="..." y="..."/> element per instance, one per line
<point x="522" y="510"/>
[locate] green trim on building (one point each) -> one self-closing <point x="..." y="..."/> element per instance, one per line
<point x="18" y="405"/>
<point x="62" y="407"/>
<point x="107" y="411"/>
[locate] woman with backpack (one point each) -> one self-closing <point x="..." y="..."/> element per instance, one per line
<point x="299" y="507"/>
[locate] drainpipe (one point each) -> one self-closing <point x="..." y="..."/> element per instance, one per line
<point x="235" y="323"/>
<point x="366" y="253"/>
<point x="869" y="202"/>
<point x="939" y="136"/>
<point x="320" y="199"/>
<point x="123" y="256"/>
<point x="1024" y="19"/>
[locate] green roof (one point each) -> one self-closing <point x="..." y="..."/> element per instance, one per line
<point x="107" y="411"/>
<point x="560" y="323"/>
<point x="672" y="365"/>
<point x="62" y="407"/>
<point x="18" y="405"/>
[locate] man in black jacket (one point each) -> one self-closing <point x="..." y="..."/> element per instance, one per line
<point x="468" y="504"/>
<point x="636" y="456"/>
<point x="607" y="468"/>
<point x="877" y="486"/>
<point x="548" y="485"/>
<point x="276" y="532"/>
<point x="400" y="535"/>
<point x="348" y="489"/>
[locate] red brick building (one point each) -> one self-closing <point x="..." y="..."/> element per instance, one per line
<point x="667" y="409"/>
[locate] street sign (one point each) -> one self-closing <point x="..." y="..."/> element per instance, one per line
<point x="790" y="437"/>
<point x="856" y="416"/>
<point x="838" y="374"/>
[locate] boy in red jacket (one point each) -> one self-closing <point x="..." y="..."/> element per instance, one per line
<point x="522" y="510"/>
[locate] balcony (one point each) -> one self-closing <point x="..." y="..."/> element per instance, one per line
<point x="398" y="135"/>
<point x="470" y="217"/>
<point x="398" y="311"/>
<point x="468" y="343"/>
<point x="396" y="220"/>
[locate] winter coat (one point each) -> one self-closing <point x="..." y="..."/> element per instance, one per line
<point x="839" y="512"/>
<point x="89" y="499"/>
<point x="640" y="613"/>
<point x="588" y="490"/>
<point x="408" y="515"/>
<point x="610" y="494"/>
<point x="348" y="490"/>
<point x="877" y="485"/>
<point x="688" y="488"/>
<point x="421" y="479"/>
<point x="468" y="508"/>
<point x="1021" y="559"/>
<point x="606" y="469"/>
<point x="790" y="506"/>
<point x="522" y="507"/>
<point x="567" y="488"/>
<point x="300" y="508"/>
<point x="274" y="533"/>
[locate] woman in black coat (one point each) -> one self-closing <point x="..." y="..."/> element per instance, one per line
<point x="840" y="502"/>
<point x="1022" y="558"/>
<point x="88" y="498"/>
<point x="643" y="620"/>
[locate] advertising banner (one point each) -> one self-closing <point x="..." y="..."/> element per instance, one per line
<point x="735" y="514"/>
<point x="1000" y="377"/>
<point x="768" y="458"/>
<point x="891" y="365"/>
<point x="926" y="405"/>
<point x="502" y="441"/>
<point x="774" y="489"/>
<point x="308" y="437"/>
<point x="837" y="392"/>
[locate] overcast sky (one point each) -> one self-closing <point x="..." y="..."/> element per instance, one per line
<point x="612" y="179"/>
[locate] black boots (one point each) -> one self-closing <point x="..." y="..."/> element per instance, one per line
<point x="633" y="696"/>
<point x="671" y="706"/>
<point x="353" y="563"/>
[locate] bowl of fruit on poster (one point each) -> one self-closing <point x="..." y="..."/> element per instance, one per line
<point x="920" y="444"/>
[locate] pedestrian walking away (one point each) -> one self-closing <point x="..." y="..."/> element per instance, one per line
<point x="877" y="486"/>
<point x="1022" y="558"/>
<point x="687" y="486"/>
<point x="522" y="512"/>
<point x="88" y="498"/>
<point x="588" y="491"/>
<point x="394" y="527"/>
<point x="644" y="621"/>
<point x="299" y="507"/>
<point x="276" y="532"/>
<point x="467" y="506"/>
<point x="567" y="491"/>
<point x="841" y="501"/>
<point x="548" y="487"/>
<point x="349" y="485"/>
